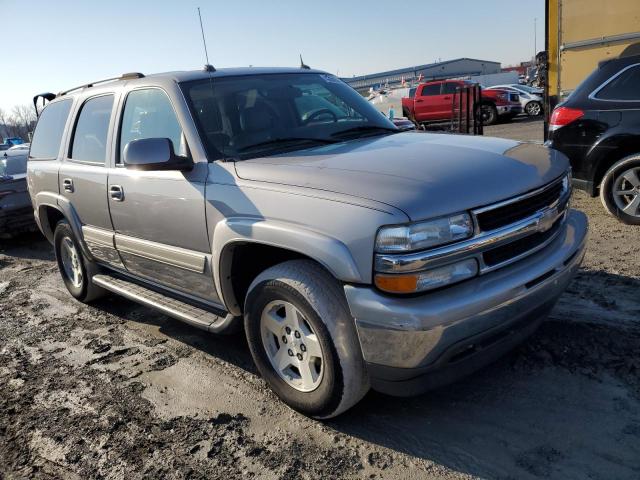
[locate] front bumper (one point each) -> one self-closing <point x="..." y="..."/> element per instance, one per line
<point x="412" y="344"/>
<point x="509" y="109"/>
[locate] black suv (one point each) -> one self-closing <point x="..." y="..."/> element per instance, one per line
<point x="598" y="128"/>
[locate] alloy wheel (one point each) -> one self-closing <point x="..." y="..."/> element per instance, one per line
<point x="626" y="191"/>
<point x="71" y="262"/>
<point x="292" y="345"/>
<point x="533" y="109"/>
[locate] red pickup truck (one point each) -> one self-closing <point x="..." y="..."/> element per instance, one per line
<point x="431" y="102"/>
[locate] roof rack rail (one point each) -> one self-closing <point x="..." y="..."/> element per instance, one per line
<point x="124" y="76"/>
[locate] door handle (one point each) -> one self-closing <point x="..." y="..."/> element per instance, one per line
<point x="447" y="98"/>
<point x="67" y="185"/>
<point x="116" y="193"/>
<point x="418" y="101"/>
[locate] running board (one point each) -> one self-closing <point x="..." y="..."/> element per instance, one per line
<point x="177" y="309"/>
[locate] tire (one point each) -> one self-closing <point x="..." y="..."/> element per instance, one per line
<point x="339" y="378"/>
<point x="489" y="114"/>
<point x="533" y="109"/>
<point x="70" y="259"/>
<point x="623" y="176"/>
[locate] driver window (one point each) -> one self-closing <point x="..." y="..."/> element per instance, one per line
<point x="148" y="114"/>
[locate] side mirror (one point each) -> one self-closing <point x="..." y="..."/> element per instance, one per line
<point x="154" y="154"/>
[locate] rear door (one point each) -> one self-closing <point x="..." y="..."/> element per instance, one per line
<point x="445" y="99"/>
<point x="83" y="174"/>
<point x="425" y="107"/>
<point x="159" y="216"/>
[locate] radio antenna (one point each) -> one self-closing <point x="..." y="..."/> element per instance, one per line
<point x="208" y="67"/>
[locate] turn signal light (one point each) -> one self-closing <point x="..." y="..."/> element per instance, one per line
<point x="397" y="283"/>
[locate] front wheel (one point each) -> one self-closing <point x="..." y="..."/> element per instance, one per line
<point x="620" y="190"/>
<point x="303" y="340"/>
<point x="533" y="109"/>
<point x="489" y="114"/>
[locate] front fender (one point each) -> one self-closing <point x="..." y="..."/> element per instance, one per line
<point x="330" y="252"/>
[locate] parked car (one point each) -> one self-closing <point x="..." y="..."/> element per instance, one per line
<point x="431" y="102"/>
<point x="16" y="214"/>
<point x="354" y="255"/>
<point x="598" y="128"/>
<point x="531" y="99"/>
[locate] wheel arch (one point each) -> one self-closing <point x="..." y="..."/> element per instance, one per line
<point x="609" y="151"/>
<point x="51" y="208"/>
<point x="245" y="248"/>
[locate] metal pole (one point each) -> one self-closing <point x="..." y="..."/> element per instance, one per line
<point x="535" y="38"/>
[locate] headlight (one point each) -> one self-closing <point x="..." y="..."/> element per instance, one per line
<point x="418" y="236"/>
<point x="428" y="279"/>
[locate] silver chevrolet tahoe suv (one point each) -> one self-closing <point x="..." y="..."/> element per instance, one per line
<point x="354" y="255"/>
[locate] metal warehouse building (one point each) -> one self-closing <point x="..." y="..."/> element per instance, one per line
<point x="432" y="71"/>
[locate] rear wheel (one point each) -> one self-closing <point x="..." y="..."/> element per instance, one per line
<point x="76" y="271"/>
<point x="533" y="109"/>
<point x="620" y="190"/>
<point x="303" y="340"/>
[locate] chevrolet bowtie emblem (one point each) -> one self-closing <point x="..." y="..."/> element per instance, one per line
<point x="547" y="219"/>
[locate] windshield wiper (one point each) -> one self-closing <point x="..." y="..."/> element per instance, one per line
<point x="285" y="141"/>
<point x="364" y="129"/>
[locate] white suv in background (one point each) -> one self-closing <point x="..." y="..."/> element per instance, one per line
<point x="530" y="97"/>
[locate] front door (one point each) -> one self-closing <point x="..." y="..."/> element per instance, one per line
<point x="159" y="216"/>
<point x="425" y="106"/>
<point x="83" y="175"/>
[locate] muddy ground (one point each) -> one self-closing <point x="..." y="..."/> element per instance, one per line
<point x="114" y="390"/>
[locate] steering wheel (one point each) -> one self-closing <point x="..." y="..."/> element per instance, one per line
<point x="321" y="111"/>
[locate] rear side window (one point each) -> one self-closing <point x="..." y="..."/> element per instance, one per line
<point x="625" y="86"/>
<point x="430" y="90"/>
<point x="92" y="128"/>
<point x="48" y="134"/>
<point x="148" y="114"/>
<point x="449" y="88"/>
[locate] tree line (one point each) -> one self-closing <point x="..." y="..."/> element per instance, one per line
<point x="19" y="122"/>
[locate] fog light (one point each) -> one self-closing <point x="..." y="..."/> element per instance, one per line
<point x="428" y="279"/>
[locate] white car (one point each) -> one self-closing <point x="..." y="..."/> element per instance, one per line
<point x="21" y="149"/>
<point x="530" y="98"/>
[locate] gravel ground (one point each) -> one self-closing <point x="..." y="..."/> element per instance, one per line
<point x="114" y="390"/>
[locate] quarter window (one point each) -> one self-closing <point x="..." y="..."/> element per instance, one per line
<point x="92" y="128"/>
<point x="625" y="86"/>
<point x="48" y="134"/>
<point x="148" y="114"/>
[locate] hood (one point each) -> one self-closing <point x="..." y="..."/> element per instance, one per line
<point x="425" y="175"/>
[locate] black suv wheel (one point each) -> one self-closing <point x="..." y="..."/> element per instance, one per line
<point x="620" y="190"/>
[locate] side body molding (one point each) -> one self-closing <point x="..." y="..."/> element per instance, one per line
<point x="329" y="252"/>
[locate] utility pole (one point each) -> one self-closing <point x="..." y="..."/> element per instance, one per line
<point x="535" y="38"/>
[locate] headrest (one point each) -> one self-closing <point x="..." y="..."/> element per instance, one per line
<point x="256" y="119"/>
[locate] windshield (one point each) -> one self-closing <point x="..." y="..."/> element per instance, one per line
<point x="528" y="89"/>
<point x="15" y="165"/>
<point x="259" y="115"/>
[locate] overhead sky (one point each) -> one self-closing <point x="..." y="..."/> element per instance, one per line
<point x="50" y="45"/>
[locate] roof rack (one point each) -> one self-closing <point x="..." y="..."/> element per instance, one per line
<point x="124" y="76"/>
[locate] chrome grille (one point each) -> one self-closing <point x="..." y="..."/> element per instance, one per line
<point x="500" y="216"/>
<point x="506" y="232"/>
<point x="499" y="255"/>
